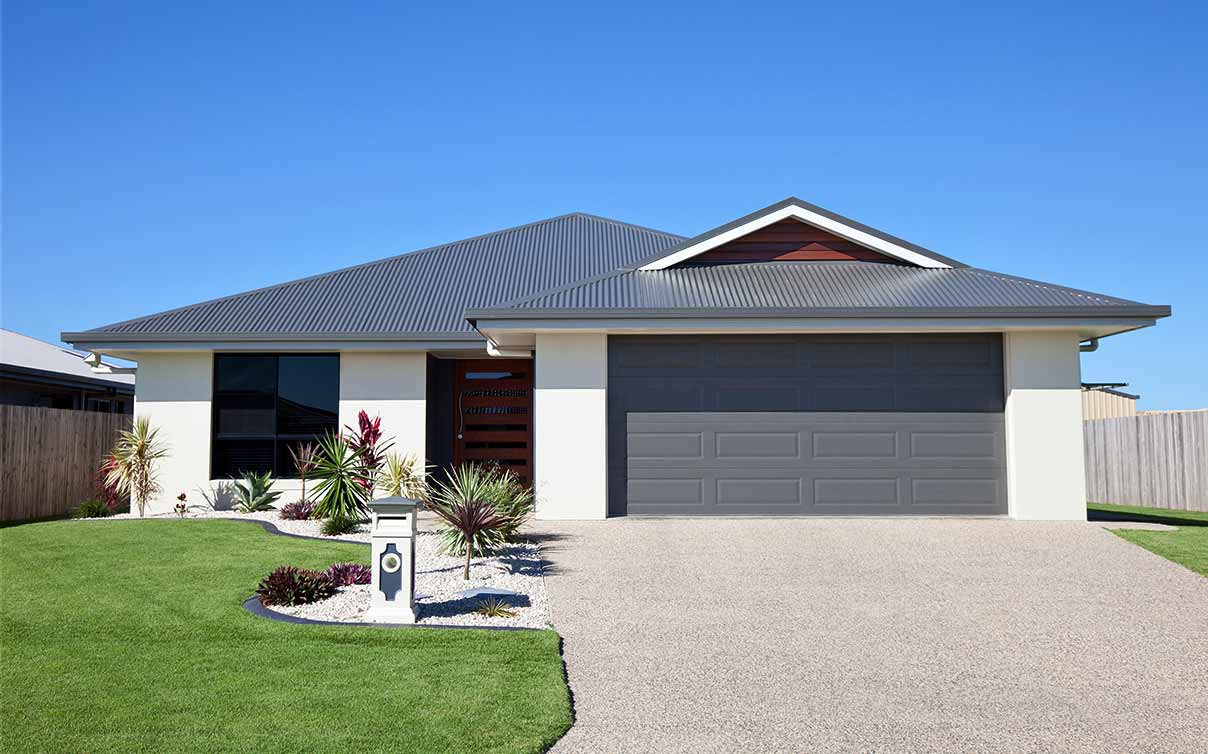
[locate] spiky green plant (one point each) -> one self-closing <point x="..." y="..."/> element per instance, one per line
<point x="135" y="456"/>
<point x="343" y="489"/>
<point x="472" y="519"/>
<point x="403" y="476"/>
<point x="253" y="493"/>
<point x="496" y="486"/>
<point x="493" y="607"/>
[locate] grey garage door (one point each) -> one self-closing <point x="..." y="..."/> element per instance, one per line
<point x="793" y="425"/>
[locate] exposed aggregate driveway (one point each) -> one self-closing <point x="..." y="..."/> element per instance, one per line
<point x="875" y="635"/>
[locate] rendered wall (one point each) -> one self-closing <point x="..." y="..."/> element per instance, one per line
<point x="1045" y="474"/>
<point x="392" y="385"/>
<point x="174" y="392"/>
<point x="571" y="426"/>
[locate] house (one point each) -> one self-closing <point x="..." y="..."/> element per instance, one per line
<point x="1105" y="400"/>
<point x="791" y="362"/>
<point x="36" y="373"/>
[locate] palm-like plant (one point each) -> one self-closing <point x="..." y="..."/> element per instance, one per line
<point x="253" y="493"/>
<point x="343" y="490"/>
<point x="471" y="519"/>
<point x="403" y="476"/>
<point x="366" y="440"/>
<point x="305" y="457"/>
<point x="496" y="486"/>
<point x="135" y="455"/>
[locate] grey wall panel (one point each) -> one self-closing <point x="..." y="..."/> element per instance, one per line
<point x="924" y="411"/>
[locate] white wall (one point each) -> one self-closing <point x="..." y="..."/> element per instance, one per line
<point x="1045" y="475"/>
<point x="174" y="391"/>
<point x="392" y="385"/>
<point x="571" y="426"/>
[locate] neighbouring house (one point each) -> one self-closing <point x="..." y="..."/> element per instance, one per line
<point x="790" y="362"/>
<point x="1105" y="400"/>
<point x="36" y="373"/>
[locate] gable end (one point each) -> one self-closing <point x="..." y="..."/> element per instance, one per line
<point x="790" y="240"/>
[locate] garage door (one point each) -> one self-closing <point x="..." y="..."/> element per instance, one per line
<point x="801" y="425"/>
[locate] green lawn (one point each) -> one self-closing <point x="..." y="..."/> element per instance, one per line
<point x="1187" y="546"/>
<point x="130" y="636"/>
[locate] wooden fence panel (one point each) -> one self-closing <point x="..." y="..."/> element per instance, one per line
<point x="1159" y="460"/>
<point x="48" y="457"/>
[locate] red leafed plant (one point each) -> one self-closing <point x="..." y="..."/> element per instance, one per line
<point x="367" y="440"/>
<point x="107" y="490"/>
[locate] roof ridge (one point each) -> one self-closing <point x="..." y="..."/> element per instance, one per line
<point x="363" y="265"/>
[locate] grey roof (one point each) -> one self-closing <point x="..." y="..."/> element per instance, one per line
<point x="813" y="289"/>
<point x="423" y="294"/>
<point x="36" y="357"/>
<point x="794" y="201"/>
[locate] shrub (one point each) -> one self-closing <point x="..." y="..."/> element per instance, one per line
<point x="493" y="607"/>
<point x="93" y="507"/>
<point x="294" y="586"/>
<point x="299" y="511"/>
<point x="474" y="482"/>
<point x="107" y="490"/>
<point x="338" y="526"/>
<point x="403" y="476"/>
<point x="254" y="493"/>
<point x="347" y="574"/>
<point x="305" y="457"/>
<point x="343" y="489"/>
<point x="474" y="520"/>
<point x="366" y="440"/>
<point x="132" y="471"/>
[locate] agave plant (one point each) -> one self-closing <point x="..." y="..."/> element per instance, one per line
<point x="403" y="476"/>
<point x="343" y="489"/>
<point x="254" y="492"/>
<point x="500" y="488"/>
<point x="305" y="457"/>
<point x="135" y="455"/>
<point x="473" y="520"/>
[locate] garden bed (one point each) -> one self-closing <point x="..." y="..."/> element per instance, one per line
<point x="441" y="592"/>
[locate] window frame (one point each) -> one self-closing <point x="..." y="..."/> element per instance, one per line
<point x="276" y="437"/>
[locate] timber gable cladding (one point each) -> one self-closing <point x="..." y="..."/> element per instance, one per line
<point x="790" y="240"/>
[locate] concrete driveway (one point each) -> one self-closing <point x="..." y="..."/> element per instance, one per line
<point x="875" y="635"/>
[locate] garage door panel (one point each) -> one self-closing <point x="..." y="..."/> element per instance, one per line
<point x="791" y="425"/>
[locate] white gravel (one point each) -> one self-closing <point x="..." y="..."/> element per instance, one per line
<point x="518" y="568"/>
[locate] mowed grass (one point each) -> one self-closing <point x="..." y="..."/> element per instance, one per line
<point x="130" y="636"/>
<point x="1187" y="546"/>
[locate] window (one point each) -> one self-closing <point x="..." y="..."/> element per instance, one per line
<point x="264" y="405"/>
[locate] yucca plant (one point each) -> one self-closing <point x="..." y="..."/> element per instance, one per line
<point x="343" y="489"/>
<point x="305" y="456"/>
<point x="493" y="607"/>
<point x="253" y="493"/>
<point x="403" y="476"/>
<point x="474" y="520"/>
<point x="491" y="484"/>
<point x="135" y="455"/>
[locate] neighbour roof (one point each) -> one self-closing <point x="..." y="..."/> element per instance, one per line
<point x="813" y="289"/>
<point x="38" y="358"/>
<point x="423" y="293"/>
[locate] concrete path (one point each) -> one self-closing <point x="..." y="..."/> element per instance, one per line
<point x="864" y="635"/>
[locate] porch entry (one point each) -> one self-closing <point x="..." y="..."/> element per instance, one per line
<point x="493" y="414"/>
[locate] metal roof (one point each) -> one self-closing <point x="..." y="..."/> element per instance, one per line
<point x="423" y="294"/>
<point x="47" y="359"/>
<point x="819" y="289"/>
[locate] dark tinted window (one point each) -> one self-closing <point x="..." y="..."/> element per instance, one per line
<point x="263" y="404"/>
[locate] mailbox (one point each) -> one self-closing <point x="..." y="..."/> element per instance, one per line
<point x="392" y="537"/>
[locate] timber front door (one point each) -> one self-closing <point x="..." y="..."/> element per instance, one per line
<point x="493" y="409"/>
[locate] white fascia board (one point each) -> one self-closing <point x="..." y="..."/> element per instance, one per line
<point x="132" y="350"/>
<point x="842" y="230"/>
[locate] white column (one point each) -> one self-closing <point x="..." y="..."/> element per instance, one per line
<point x="173" y="390"/>
<point x="1045" y="475"/>
<point x="571" y="426"/>
<point x="393" y="385"/>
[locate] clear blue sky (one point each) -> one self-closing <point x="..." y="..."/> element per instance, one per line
<point x="159" y="154"/>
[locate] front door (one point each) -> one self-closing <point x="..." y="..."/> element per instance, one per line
<point x="493" y="411"/>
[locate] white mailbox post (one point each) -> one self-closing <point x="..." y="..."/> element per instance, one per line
<point x="392" y="533"/>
